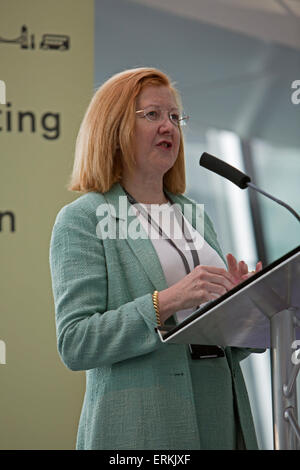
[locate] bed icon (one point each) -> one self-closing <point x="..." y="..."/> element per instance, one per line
<point x="60" y="42"/>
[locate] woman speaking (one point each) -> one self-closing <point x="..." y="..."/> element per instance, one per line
<point x="127" y="256"/>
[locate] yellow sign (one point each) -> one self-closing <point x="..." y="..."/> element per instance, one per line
<point x="46" y="83"/>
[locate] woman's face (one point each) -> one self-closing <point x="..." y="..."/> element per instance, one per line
<point x="156" y="142"/>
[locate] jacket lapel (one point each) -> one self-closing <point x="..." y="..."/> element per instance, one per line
<point x="120" y="209"/>
<point x="127" y="225"/>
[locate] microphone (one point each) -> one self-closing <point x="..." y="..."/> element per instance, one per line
<point x="237" y="177"/>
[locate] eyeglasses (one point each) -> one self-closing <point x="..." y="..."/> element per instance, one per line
<point x="156" y="114"/>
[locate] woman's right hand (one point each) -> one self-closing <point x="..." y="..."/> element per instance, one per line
<point x="201" y="285"/>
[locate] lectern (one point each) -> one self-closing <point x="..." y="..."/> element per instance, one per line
<point x="261" y="312"/>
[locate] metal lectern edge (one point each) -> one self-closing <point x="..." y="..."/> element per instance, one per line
<point x="249" y="301"/>
<point x="283" y="326"/>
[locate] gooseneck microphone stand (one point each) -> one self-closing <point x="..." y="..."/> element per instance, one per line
<point x="280" y="302"/>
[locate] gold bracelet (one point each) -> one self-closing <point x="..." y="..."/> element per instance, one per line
<point x="155" y="304"/>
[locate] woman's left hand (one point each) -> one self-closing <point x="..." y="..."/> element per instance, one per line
<point x="240" y="270"/>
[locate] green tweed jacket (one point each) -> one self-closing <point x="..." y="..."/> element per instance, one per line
<point x="140" y="393"/>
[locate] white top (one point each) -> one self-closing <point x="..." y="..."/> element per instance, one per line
<point x="169" y="258"/>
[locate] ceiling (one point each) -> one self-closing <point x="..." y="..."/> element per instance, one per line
<point x="233" y="61"/>
<point x="270" y="20"/>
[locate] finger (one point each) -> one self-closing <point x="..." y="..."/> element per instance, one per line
<point x="231" y="261"/>
<point x="232" y="264"/>
<point x="218" y="276"/>
<point x="246" y="276"/>
<point x="214" y="296"/>
<point x="240" y="269"/>
<point x="217" y="280"/>
<point x="258" y="266"/>
<point x="243" y="268"/>
<point x="207" y="296"/>
<point x="233" y="268"/>
<point x="215" y="289"/>
<point x="202" y="269"/>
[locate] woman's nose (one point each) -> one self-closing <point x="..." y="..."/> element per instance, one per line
<point x="166" y="123"/>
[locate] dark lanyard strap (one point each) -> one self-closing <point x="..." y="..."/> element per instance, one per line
<point x="197" y="351"/>
<point x="184" y="228"/>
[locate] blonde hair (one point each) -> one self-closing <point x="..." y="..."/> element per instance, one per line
<point x="105" y="139"/>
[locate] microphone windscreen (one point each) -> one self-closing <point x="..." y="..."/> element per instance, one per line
<point x="224" y="169"/>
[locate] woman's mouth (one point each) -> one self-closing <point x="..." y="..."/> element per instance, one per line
<point x="165" y="144"/>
